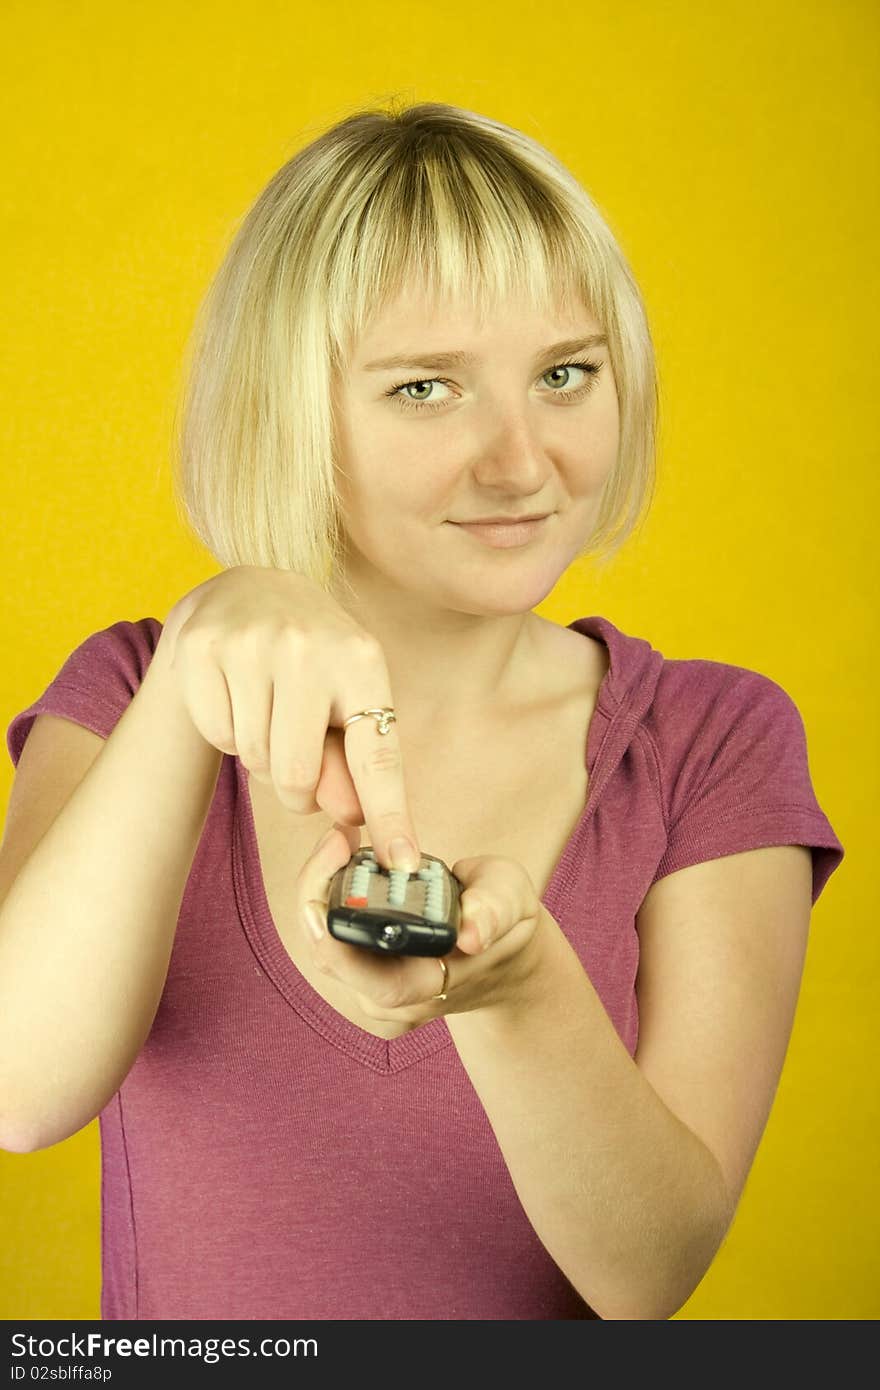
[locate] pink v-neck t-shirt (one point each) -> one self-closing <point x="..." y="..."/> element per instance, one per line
<point x="265" y="1158"/>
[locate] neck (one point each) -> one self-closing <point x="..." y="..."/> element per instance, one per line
<point x="446" y="666"/>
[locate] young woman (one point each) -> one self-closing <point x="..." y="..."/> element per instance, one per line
<point x="422" y="385"/>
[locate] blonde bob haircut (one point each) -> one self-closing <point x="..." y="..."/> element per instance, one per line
<point x="428" y="195"/>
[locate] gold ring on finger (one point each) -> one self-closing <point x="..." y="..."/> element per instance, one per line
<point x="445" y="968"/>
<point x="384" y="719"/>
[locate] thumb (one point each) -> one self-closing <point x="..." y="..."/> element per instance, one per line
<point x="475" y="915"/>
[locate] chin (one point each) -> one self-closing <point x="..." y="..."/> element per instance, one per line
<point x="510" y="600"/>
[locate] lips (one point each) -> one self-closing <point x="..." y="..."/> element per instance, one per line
<point x="506" y="535"/>
<point x="502" y="520"/>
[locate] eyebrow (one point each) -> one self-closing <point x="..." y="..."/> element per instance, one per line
<point x="440" y="361"/>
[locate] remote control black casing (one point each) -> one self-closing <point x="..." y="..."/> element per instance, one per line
<point x="393" y="912"/>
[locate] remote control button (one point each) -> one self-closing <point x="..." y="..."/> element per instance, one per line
<point x="398" y="881"/>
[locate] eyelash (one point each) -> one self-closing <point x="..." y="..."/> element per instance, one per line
<point x="591" y="368"/>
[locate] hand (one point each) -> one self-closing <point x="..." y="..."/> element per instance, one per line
<point x="501" y="917"/>
<point x="269" y="667"/>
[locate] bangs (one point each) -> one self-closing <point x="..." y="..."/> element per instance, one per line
<point x="459" y="230"/>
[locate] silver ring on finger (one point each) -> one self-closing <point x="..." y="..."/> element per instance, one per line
<point x="384" y="718"/>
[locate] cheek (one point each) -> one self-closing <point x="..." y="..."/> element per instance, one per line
<point x="605" y="441"/>
<point x="381" y="500"/>
<point x="612" y="423"/>
<point x="593" y="463"/>
<point x="393" y="484"/>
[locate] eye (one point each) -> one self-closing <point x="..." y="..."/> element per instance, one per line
<point x="417" y="404"/>
<point x="591" y="371"/>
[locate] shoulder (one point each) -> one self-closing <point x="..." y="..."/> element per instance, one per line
<point x="734" y="770"/>
<point x="125" y="648"/>
<point x="707" y="684"/>
<point x="701" y="704"/>
<point x="95" y="682"/>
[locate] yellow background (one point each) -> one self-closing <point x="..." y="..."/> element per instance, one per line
<point x="733" y="149"/>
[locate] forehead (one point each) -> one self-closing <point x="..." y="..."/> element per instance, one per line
<point x="412" y="318"/>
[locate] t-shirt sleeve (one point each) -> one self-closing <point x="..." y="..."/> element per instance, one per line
<point x="96" y="683"/>
<point x="739" y="778"/>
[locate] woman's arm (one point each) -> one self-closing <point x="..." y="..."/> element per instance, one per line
<point x="87" y="925"/>
<point x="626" y="1196"/>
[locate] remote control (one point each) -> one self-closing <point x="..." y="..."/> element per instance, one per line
<point x="394" y="911"/>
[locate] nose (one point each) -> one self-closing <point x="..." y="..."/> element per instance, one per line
<point x="510" y="450"/>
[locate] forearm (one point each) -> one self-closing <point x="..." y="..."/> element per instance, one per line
<point x="627" y="1200"/>
<point x="87" y="928"/>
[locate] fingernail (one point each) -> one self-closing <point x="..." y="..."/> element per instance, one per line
<point x="403" y="855"/>
<point x="314" y="921"/>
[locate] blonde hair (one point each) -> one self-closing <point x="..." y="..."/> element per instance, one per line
<point x="429" y="195"/>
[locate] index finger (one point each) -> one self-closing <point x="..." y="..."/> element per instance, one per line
<point x="372" y="751"/>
